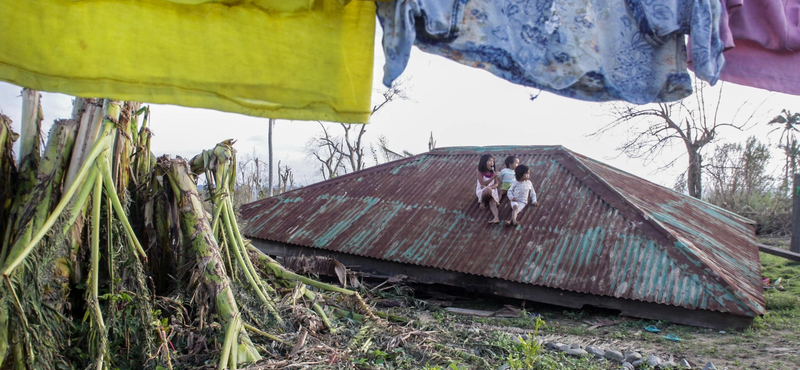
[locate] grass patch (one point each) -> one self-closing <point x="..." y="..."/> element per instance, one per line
<point x="782" y="301"/>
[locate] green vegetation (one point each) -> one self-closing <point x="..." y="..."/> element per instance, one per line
<point x="739" y="182"/>
<point x="110" y="261"/>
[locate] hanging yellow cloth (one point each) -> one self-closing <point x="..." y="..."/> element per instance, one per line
<point x="299" y="59"/>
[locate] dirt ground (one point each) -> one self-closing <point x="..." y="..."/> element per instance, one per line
<point x="772" y="342"/>
<point x="429" y="334"/>
<point x="755" y="348"/>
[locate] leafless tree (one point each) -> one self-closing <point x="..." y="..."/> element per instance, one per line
<point x="693" y="122"/>
<point x="355" y="149"/>
<point x="285" y="178"/>
<point x="327" y="150"/>
<point x="247" y="179"/>
<point x="388" y="154"/>
<point x="341" y="154"/>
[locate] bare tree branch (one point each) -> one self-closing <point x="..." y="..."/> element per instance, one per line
<point x="692" y="122"/>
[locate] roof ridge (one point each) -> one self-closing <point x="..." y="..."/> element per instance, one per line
<point x="348" y="176"/>
<point x="723" y="210"/>
<point x="335" y="180"/>
<point x="456" y="150"/>
<point x="662" y="231"/>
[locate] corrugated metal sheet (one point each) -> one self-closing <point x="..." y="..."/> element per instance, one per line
<point x="598" y="230"/>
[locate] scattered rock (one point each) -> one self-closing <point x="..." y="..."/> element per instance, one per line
<point x="685" y="364"/>
<point x="539" y="341"/>
<point x="638" y="362"/>
<point x="550" y="345"/>
<point x="627" y="366"/>
<point x="562" y="347"/>
<point x="632" y="356"/>
<point x="776" y="350"/>
<point x="666" y="365"/>
<point x="576" y="345"/>
<point x="576" y="352"/>
<point x="709" y="366"/>
<point x="516" y="340"/>
<point x="597" y="352"/>
<point x="614" y="355"/>
<point x="653" y="360"/>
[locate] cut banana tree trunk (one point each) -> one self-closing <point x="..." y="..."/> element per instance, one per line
<point x="219" y="165"/>
<point x="8" y="177"/>
<point x="195" y="224"/>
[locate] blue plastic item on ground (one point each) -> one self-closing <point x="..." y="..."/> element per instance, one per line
<point x="652" y="329"/>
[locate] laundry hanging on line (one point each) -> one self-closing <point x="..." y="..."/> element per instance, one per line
<point x="594" y="50"/>
<point x="300" y="59"/>
<point x="763" y="38"/>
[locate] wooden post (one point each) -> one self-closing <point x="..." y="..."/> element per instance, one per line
<point x="271" y="124"/>
<point x="795" y="247"/>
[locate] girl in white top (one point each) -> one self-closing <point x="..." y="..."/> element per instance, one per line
<point x="487" y="185"/>
<point x="519" y="192"/>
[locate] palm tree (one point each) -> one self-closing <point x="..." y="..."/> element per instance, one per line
<point x="790" y="122"/>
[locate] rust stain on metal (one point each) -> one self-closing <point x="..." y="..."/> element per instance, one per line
<point x="598" y="230"/>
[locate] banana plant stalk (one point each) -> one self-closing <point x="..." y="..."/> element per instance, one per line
<point x="100" y="332"/>
<point x="41" y="198"/>
<point x="21" y="250"/>
<point x="29" y="158"/>
<point x="29" y="146"/>
<point x="195" y="225"/>
<point x="39" y="201"/>
<point x="8" y="177"/>
<point x="219" y="167"/>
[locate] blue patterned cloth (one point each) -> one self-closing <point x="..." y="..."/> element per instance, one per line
<point x="595" y="50"/>
<point x="700" y="19"/>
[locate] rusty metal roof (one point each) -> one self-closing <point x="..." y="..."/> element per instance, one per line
<point x="598" y="230"/>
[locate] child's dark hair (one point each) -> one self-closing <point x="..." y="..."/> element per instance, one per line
<point x="482" y="164"/>
<point x="520" y="171"/>
<point x="510" y="160"/>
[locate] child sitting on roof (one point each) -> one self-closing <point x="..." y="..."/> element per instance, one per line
<point x="506" y="175"/>
<point x="519" y="192"/>
<point x="487" y="185"/>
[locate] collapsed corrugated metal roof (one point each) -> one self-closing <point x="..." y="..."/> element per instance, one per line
<point x="598" y="231"/>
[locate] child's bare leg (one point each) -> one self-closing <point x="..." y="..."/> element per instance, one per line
<point x="514" y="212"/>
<point x="493" y="208"/>
<point x="486" y="197"/>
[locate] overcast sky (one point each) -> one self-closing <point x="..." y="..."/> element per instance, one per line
<point x="460" y="105"/>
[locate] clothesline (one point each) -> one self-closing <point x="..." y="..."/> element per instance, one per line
<point x="312" y="59"/>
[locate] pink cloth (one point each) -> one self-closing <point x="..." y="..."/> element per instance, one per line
<point x="766" y="35"/>
<point x="728" y="8"/>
